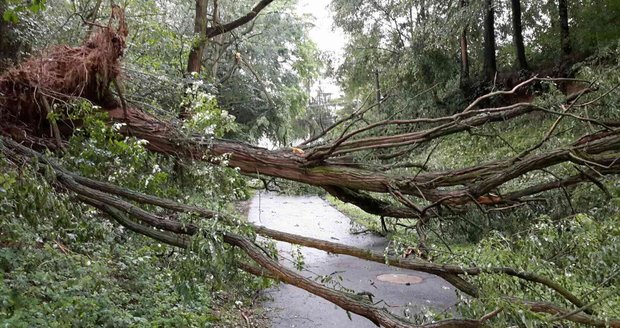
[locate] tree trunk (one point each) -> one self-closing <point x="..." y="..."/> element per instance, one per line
<point x="564" y="32"/>
<point x="464" y="55"/>
<point x="194" y="62"/>
<point x="377" y="90"/>
<point x="101" y="193"/>
<point x="200" y="28"/>
<point x="318" y="165"/>
<point x="218" y="41"/>
<point x="517" y="35"/>
<point x="321" y="165"/>
<point x="490" y="63"/>
<point x="432" y="186"/>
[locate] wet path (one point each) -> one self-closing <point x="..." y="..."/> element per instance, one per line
<point x="313" y="217"/>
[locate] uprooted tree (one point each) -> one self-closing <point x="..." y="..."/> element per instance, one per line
<point x="32" y="91"/>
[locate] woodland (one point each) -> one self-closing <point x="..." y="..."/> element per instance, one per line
<point x="481" y="137"/>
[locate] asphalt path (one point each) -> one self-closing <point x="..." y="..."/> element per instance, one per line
<point x="311" y="216"/>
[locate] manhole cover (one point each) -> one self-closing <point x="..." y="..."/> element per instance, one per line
<point x="399" y="278"/>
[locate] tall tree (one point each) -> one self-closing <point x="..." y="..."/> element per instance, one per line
<point x="564" y="32"/>
<point x="200" y="31"/>
<point x="517" y="34"/>
<point x="204" y="33"/>
<point x="490" y="62"/>
<point x="464" y="54"/>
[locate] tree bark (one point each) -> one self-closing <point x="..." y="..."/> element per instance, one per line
<point x="105" y="196"/>
<point x="490" y="62"/>
<point x="224" y="28"/>
<point x="464" y="79"/>
<point x="517" y="35"/>
<point x="204" y="33"/>
<point x="199" y="43"/>
<point x="320" y="165"/>
<point x="200" y="28"/>
<point x="564" y="30"/>
<point x="472" y="183"/>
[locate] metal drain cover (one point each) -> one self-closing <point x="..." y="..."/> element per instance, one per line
<point x="399" y="278"/>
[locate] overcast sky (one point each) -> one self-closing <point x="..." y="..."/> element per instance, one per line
<point x="323" y="34"/>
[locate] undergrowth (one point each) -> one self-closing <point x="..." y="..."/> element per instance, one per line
<point x="64" y="264"/>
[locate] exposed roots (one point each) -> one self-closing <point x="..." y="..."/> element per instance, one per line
<point x="61" y="74"/>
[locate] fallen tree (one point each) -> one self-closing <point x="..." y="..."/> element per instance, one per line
<point x="109" y="199"/>
<point x="31" y="91"/>
<point x="55" y="77"/>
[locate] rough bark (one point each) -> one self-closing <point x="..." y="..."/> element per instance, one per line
<point x="473" y="184"/>
<point x="564" y="30"/>
<point x="194" y="62"/>
<point x="176" y="233"/>
<point x="490" y="63"/>
<point x="464" y="80"/>
<point x="318" y="165"/>
<point x="107" y="193"/>
<point x="517" y="35"/>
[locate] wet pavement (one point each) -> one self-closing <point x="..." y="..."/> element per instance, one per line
<point x="402" y="292"/>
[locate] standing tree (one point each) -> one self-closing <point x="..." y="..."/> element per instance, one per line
<point x="200" y="28"/>
<point x="464" y="80"/>
<point x="517" y="35"/>
<point x="564" y="31"/>
<point x="490" y="62"/>
<point x="194" y="62"/>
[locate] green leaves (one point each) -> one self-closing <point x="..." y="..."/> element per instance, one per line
<point x="62" y="262"/>
<point x="206" y="117"/>
<point x="10" y="16"/>
<point x="18" y="7"/>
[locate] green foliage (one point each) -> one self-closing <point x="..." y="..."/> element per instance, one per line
<point x="265" y="93"/>
<point x="62" y="262"/>
<point x="579" y="252"/>
<point x="369" y="221"/>
<point x="280" y="64"/>
<point x="570" y="236"/>
<point x="297" y="188"/>
<point x="414" y="45"/>
<point x="207" y="118"/>
<point x="15" y="8"/>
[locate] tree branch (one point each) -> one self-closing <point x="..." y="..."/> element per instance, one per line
<point x="224" y="28"/>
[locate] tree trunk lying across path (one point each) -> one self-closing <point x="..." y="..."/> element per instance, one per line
<point x="473" y="184"/>
<point x="105" y="196"/>
<point x="65" y="73"/>
<point x="68" y="73"/>
<point x="177" y="234"/>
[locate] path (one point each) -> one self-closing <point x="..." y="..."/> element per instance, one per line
<point x="313" y="217"/>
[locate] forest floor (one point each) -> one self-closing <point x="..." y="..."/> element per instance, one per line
<point x="311" y="216"/>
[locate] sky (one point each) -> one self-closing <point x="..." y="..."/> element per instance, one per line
<point x="327" y="38"/>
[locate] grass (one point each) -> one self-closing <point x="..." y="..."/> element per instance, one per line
<point x="369" y="221"/>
